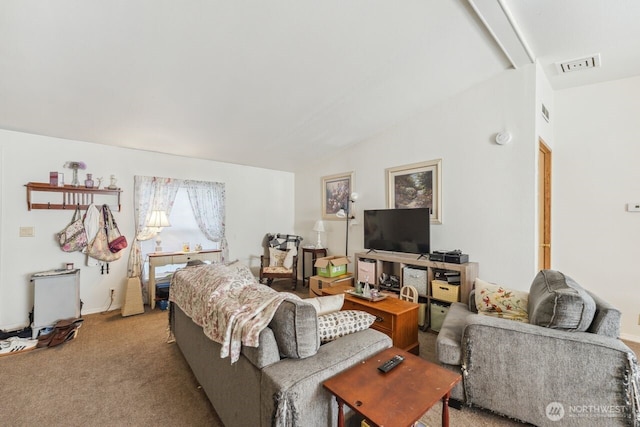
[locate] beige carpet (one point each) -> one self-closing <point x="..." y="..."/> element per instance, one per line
<point x="120" y="371"/>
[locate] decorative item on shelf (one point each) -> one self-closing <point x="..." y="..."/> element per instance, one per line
<point x="88" y="183"/>
<point x="99" y="182"/>
<point x="198" y="247"/>
<point x="112" y="183"/>
<point x="319" y="228"/>
<point x="158" y="220"/>
<point x="347" y="212"/>
<point x="75" y="166"/>
<point x="367" y="289"/>
<point x="185" y="247"/>
<point x="56" y="179"/>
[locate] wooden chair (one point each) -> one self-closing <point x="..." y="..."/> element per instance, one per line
<point x="282" y="259"/>
<point x="409" y="293"/>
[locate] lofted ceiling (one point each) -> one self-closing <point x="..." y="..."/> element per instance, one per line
<point x="272" y="83"/>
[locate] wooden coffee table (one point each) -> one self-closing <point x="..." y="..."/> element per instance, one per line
<point x="396" y="318"/>
<point x="399" y="397"/>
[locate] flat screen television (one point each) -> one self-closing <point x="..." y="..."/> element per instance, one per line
<point x="397" y="230"/>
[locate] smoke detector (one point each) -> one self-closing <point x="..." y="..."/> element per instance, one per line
<point x="591" y="61"/>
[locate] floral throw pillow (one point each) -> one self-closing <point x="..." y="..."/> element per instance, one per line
<point x="497" y="301"/>
<point x="340" y="323"/>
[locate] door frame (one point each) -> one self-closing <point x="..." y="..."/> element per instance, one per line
<point x="544" y="209"/>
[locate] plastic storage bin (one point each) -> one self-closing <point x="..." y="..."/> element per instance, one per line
<point x="366" y="269"/>
<point x="437" y="313"/>
<point x="445" y="291"/>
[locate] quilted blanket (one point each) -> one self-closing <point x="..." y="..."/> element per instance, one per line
<point x="227" y="302"/>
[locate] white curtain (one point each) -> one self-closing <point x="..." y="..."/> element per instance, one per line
<point x="156" y="193"/>
<point x="208" y="205"/>
<point x="150" y="193"/>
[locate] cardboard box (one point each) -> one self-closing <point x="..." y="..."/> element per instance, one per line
<point x="332" y="266"/>
<point x="316" y="283"/>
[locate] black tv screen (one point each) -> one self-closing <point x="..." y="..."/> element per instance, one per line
<point x="397" y="230"/>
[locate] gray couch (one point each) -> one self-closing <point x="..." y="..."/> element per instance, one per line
<point x="279" y="383"/>
<point x="550" y="375"/>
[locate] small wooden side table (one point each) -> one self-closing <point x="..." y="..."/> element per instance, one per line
<point x="314" y="255"/>
<point x="396" y="398"/>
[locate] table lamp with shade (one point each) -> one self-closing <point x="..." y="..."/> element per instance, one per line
<point x="158" y="220"/>
<point x="319" y="228"/>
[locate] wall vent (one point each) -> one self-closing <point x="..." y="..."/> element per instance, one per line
<point x="578" y="64"/>
<point x="545" y="113"/>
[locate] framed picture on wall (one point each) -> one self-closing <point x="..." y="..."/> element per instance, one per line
<point x="335" y="193"/>
<point x="418" y="185"/>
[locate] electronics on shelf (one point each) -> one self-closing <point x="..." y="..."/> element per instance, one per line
<point x="455" y="257"/>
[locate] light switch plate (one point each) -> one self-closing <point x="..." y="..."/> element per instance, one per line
<point x="633" y="207"/>
<point x="27" y="232"/>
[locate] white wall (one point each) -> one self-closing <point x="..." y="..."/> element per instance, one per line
<point x="25" y="157"/>
<point x="544" y="95"/>
<point x="488" y="190"/>
<point x="595" y="173"/>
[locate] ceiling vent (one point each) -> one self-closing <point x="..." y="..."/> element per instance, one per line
<point x="591" y="61"/>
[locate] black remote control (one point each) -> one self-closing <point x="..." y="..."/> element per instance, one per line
<point x="391" y="363"/>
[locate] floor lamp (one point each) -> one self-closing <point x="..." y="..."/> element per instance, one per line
<point x="346" y="213"/>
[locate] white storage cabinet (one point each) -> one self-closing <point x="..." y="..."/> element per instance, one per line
<point x="56" y="296"/>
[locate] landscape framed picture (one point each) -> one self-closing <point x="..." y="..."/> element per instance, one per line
<point x="418" y="185"/>
<point x="335" y="194"/>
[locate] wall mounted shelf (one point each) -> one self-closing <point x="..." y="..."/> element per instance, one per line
<point x="71" y="196"/>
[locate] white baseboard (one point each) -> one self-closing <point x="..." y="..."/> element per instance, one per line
<point x="14" y="327"/>
<point x="20" y="326"/>
<point x="102" y="310"/>
<point x="630" y="337"/>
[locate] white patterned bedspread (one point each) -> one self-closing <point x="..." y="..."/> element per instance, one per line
<point x="230" y="305"/>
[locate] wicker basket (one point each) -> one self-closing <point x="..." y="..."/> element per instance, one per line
<point x="445" y="291"/>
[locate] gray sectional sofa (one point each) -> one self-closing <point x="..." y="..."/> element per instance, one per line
<point x="566" y="367"/>
<point x="279" y="383"/>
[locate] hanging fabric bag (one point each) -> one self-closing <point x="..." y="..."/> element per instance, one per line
<point x="117" y="241"/>
<point x="99" y="246"/>
<point x="73" y="237"/>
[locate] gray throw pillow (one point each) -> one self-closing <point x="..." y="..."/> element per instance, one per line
<point x="295" y="327"/>
<point x="556" y="301"/>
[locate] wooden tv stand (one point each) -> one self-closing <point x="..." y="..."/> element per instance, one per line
<point x="394" y="317"/>
<point x="394" y="263"/>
